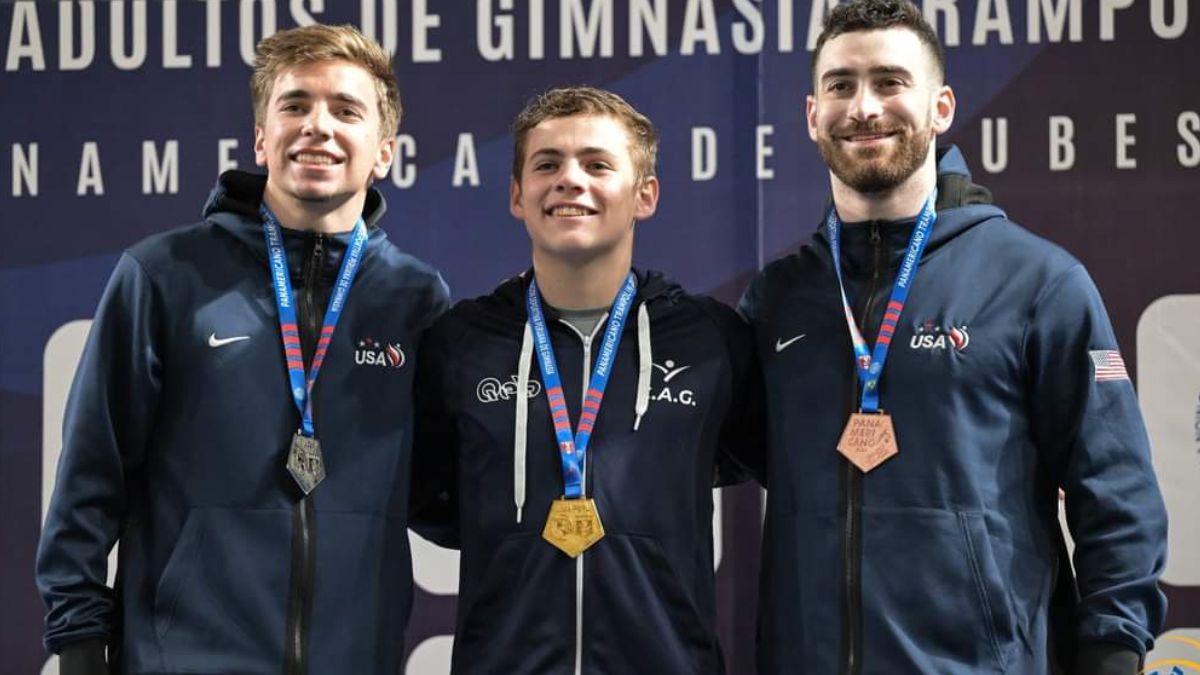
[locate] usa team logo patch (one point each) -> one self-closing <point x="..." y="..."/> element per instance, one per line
<point x="930" y="336"/>
<point x="1108" y="365"/>
<point x="375" y="353"/>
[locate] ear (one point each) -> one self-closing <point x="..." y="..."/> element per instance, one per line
<point x="646" y="198"/>
<point x="260" y="151"/>
<point x="514" y="199"/>
<point x="810" y="114"/>
<point x="943" y="109"/>
<point x="383" y="160"/>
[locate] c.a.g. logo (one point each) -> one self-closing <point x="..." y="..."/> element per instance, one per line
<point x="1174" y="655"/>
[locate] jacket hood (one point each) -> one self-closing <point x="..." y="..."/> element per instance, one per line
<point x="961" y="205"/>
<point x="234" y="201"/>
<point x="653" y="287"/>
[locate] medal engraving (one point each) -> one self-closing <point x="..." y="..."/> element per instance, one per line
<point x="305" y="462"/>
<point x="573" y="525"/>
<point x="869" y="440"/>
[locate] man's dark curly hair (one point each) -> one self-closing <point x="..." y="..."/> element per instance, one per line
<point x="867" y="15"/>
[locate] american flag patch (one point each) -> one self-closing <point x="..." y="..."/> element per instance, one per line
<point x="1108" y="365"/>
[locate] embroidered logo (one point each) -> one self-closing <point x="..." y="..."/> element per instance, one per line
<point x="679" y="396"/>
<point x="214" y="341"/>
<point x="490" y="389"/>
<point x="781" y="344"/>
<point x="930" y="336"/>
<point x="375" y="353"/>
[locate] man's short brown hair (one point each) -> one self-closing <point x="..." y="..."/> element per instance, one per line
<point x="866" y="15"/>
<point x="310" y="44"/>
<point x="582" y="100"/>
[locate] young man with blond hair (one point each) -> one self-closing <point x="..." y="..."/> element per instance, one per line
<point x="957" y="372"/>
<point x="240" y="420"/>
<point x="574" y="418"/>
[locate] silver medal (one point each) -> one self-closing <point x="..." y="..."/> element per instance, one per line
<point x="305" y="462"/>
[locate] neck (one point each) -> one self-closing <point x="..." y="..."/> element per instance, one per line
<point x="903" y="201"/>
<point x="326" y="216"/>
<point x="575" y="285"/>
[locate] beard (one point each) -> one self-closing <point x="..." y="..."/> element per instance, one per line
<point x="875" y="170"/>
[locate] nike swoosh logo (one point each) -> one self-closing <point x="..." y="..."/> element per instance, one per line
<point x="781" y="345"/>
<point x="214" y="341"/>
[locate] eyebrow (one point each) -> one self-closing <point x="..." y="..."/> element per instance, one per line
<point x="556" y="153"/>
<point x="874" y="70"/>
<point x="304" y="95"/>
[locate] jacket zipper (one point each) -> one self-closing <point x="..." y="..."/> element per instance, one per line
<point x="852" y="488"/>
<point x="587" y="374"/>
<point x="303" y="548"/>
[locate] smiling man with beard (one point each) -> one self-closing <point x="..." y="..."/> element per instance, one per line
<point x="956" y="372"/>
<point x="260" y="509"/>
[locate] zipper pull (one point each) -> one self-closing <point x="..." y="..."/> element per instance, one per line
<point x="875" y="236"/>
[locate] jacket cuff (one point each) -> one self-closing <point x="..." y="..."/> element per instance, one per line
<point x="1106" y="658"/>
<point x="85" y="657"/>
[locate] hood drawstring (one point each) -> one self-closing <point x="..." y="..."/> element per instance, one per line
<point x="645" y="361"/>
<point x="521" y="426"/>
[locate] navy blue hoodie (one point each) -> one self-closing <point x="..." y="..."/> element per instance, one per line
<point x="946" y="557"/>
<point x="640" y="600"/>
<point x="175" y="440"/>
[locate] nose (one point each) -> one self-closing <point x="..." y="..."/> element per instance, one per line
<point x="570" y="177"/>
<point x="866" y="104"/>
<point x="317" y="122"/>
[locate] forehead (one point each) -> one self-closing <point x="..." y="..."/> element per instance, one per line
<point x="329" y="77"/>
<point x="579" y="133"/>
<point x="863" y="50"/>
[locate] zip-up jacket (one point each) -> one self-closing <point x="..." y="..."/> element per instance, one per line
<point x="1002" y="386"/>
<point x="175" y="442"/>
<point x="641" y="600"/>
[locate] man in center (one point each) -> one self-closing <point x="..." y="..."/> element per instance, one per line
<point x="573" y="421"/>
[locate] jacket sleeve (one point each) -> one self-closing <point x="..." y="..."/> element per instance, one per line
<point x="434" y="512"/>
<point x="1090" y="435"/>
<point x="109" y="414"/>
<point x="743" y="434"/>
<point x="751" y="454"/>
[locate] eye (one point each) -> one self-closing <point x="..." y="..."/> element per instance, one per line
<point x="891" y="83"/>
<point x="290" y="108"/>
<point x="599" y="165"/>
<point x="351" y="113"/>
<point x="544" y="165"/>
<point x="839" y="87"/>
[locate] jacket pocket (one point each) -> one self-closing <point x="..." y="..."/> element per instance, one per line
<point x="933" y="596"/>
<point x="643" y="612"/>
<point x="220" y="601"/>
<point x="516" y="614"/>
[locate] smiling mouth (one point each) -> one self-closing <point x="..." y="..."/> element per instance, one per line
<point x="569" y="211"/>
<point x="314" y="158"/>
<point x="867" y="137"/>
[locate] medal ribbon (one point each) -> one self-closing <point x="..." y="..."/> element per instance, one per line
<point x="869" y="364"/>
<point x="573" y="449"/>
<point x="289" y="329"/>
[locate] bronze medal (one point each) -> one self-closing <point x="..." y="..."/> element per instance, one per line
<point x="305" y="462"/>
<point x="869" y="440"/>
<point x="573" y="525"/>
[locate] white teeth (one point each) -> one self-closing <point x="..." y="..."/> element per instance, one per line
<point x="313" y="158"/>
<point x="569" y="211"/>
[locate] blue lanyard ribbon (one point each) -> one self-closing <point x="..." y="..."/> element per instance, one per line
<point x="289" y="329"/>
<point x="869" y="364"/>
<point x="573" y="449"/>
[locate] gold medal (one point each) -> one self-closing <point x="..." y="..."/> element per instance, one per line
<point x="869" y="440"/>
<point x="573" y="525"/>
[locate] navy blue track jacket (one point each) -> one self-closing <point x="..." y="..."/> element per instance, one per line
<point x="945" y="558"/>
<point x="640" y="600"/>
<point x="175" y="441"/>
